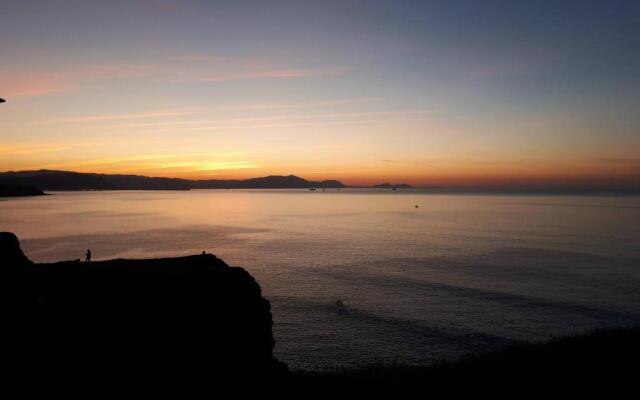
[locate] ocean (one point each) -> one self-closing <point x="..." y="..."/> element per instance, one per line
<point x="420" y="276"/>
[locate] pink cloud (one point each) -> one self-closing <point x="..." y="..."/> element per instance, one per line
<point x="33" y="81"/>
<point x="20" y="82"/>
<point x="28" y="85"/>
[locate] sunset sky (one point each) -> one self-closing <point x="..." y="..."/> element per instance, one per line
<point x="457" y="93"/>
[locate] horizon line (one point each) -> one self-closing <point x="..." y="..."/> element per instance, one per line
<point x="495" y="187"/>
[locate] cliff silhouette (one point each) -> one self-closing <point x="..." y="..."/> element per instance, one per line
<point x="184" y="318"/>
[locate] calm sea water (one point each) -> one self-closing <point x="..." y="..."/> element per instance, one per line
<point x="460" y="273"/>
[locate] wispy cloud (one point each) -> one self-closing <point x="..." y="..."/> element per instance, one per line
<point x="298" y="104"/>
<point x="31" y="82"/>
<point x="35" y="81"/>
<point x="31" y="85"/>
<point x="198" y="166"/>
<point x="186" y="164"/>
<point x="267" y="74"/>
<point x="127" y="116"/>
<point x="24" y="150"/>
<point x="250" y="107"/>
<point x="409" y="162"/>
<point x="286" y="120"/>
<point x="222" y="68"/>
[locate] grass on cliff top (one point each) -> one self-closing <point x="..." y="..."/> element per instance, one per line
<point x="597" y="357"/>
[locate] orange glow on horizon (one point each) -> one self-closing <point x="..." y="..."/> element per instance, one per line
<point x="449" y="174"/>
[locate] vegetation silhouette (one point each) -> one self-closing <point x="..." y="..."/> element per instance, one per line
<point x="602" y="360"/>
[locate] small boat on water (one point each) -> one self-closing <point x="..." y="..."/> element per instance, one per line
<point x="312" y="189"/>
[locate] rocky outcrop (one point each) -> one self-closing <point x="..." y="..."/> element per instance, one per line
<point x="10" y="252"/>
<point x="169" y="318"/>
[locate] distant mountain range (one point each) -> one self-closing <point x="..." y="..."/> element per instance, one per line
<point x="66" y="180"/>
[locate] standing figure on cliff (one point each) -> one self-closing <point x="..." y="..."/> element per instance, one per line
<point x="88" y="259"/>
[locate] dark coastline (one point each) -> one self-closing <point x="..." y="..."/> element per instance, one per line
<point x="71" y="181"/>
<point x="67" y="181"/>
<point x="18" y="190"/>
<point x="195" y="319"/>
<point x="76" y="181"/>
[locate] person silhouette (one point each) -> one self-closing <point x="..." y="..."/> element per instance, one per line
<point x="88" y="259"/>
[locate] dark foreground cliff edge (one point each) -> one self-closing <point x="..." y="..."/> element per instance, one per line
<point x="172" y="318"/>
<point x="195" y="321"/>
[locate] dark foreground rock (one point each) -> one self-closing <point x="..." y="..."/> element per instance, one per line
<point x="192" y="318"/>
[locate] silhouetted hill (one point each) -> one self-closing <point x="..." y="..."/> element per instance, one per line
<point x="267" y="182"/>
<point x="56" y="180"/>
<point x="187" y="317"/>
<point x="64" y="180"/>
<point x="329" y="184"/>
<point x="16" y="190"/>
